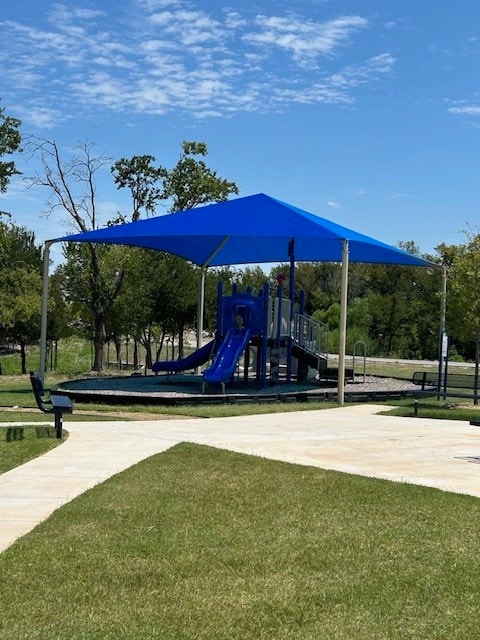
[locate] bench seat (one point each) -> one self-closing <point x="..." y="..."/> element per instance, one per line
<point x="51" y="403"/>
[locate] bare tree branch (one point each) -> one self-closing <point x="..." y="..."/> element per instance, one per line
<point x="70" y="183"/>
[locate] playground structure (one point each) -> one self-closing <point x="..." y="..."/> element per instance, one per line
<point x="267" y="331"/>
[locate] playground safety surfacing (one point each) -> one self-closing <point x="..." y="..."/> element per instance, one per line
<point x="181" y="389"/>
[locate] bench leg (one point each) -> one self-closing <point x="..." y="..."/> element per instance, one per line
<point x="58" y="424"/>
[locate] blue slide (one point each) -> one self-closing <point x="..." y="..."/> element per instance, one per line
<point x="195" y="359"/>
<point x="228" y="355"/>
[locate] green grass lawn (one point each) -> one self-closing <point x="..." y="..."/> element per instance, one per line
<point x="199" y="543"/>
<point x="21" y="443"/>
<point x="451" y="409"/>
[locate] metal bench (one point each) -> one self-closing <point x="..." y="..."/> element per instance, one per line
<point x="428" y="383"/>
<point x="453" y="381"/>
<point x="51" y="403"/>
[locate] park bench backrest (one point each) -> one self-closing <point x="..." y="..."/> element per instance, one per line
<point x="39" y="393"/>
<point x="454" y="380"/>
<point x="57" y="404"/>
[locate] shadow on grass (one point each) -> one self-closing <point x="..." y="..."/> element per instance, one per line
<point x="18" y="433"/>
<point x="21" y="443"/>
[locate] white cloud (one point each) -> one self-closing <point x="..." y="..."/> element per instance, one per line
<point x="333" y="204"/>
<point x="102" y="88"/>
<point x="40" y="40"/>
<point x="63" y="14"/>
<point x="208" y="114"/>
<point x="234" y="20"/>
<point x="157" y="45"/>
<point x="399" y="195"/>
<point x="44" y="117"/>
<point x="16" y="190"/>
<point x="153" y="5"/>
<point x="87" y="14"/>
<point x="174" y="57"/>
<point x="41" y="117"/>
<point x="302" y="38"/>
<point x="354" y="75"/>
<point x="336" y="88"/>
<point x="470" y="110"/>
<point x="189" y="27"/>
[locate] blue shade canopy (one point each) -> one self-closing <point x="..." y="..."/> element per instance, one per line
<point x="251" y="230"/>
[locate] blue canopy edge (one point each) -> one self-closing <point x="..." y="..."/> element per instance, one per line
<point x="250" y="230"/>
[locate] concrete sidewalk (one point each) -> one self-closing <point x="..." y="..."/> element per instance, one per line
<point x="443" y="454"/>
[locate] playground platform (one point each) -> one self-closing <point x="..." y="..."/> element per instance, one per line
<point x="178" y="389"/>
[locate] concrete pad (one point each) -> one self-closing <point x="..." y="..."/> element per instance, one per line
<point x="444" y="454"/>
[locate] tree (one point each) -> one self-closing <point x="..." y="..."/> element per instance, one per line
<point x="72" y="189"/>
<point x="141" y="177"/>
<point x="392" y="308"/>
<point x="20" y="286"/>
<point x="319" y="280"/>
<point x="191" y="183"/>
<point x="133" y="312"/>
<point x="18" y="246"/>
<point x="58" y="319"/>
<point x="89" y="294"/>
<point x="188" y="184"/>
<point x="20" y="299"/>
<point x="463" y="301"/>
<point x="403" y="308"/>
<point x="10" y="140"/>
<point x="253" y="277"/>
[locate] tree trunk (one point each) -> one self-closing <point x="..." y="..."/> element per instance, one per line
<point x="135" y="355"/>
<point x="148" y="355"/>
<point x="118" y="351"/>
<point x="477" y="361"/>
<point x="98" y="312"/>
<point x="160" y="346"/>
<point x="146" y="342"/>
<point x="99" y="339"/>
<point x="23" y="357"/>
<point x="181" y="347"/>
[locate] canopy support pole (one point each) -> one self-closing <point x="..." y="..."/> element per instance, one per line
<point x="343" y="324"/>
<point x="201" y="293"/>
<point x="291" y="293"/>
<point x="201" y="305"/>
<point x="44" y="312"/>
<point x="442" y="351"/>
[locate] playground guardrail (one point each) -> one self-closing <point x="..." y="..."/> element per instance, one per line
<point x="310" y="335"/>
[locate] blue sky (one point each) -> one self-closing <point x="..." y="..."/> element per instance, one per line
<point x="366" y="113"/>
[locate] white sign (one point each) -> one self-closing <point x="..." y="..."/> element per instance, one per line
<point x="444" y="345"/>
